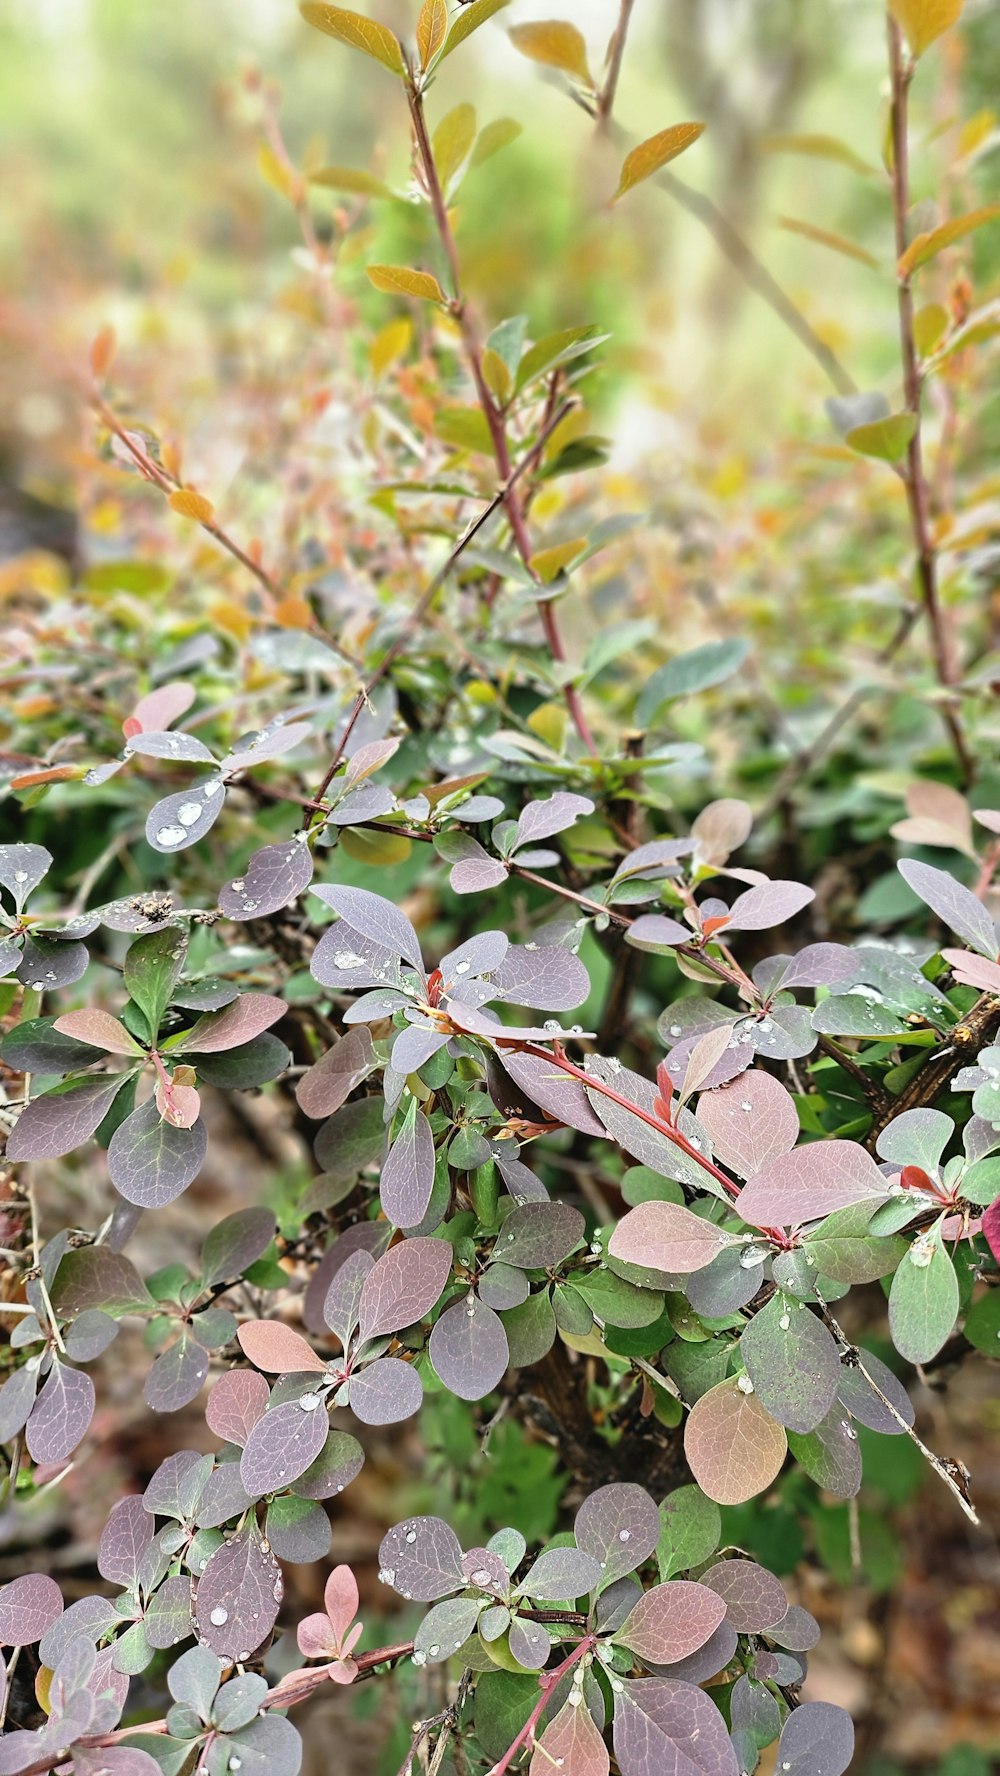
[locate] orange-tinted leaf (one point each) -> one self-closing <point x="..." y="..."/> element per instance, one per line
<point x="734" y="1448"/>
<point x="102" y="351"/>
<point x="654" y="153"/>
<point x="927" y="246"/>
<point x="825" y="237"/>
<point x="278" y="1349"/>
<point x="556" y="44"/>
<point x="470" y="19"/>
<point x="192" y="505"/>
<point x="432" y="29"/>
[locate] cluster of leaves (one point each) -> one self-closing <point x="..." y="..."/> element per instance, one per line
<point x="728" y="1202"/>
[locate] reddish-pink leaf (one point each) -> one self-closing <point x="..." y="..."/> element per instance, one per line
<point x="571" y="1742"/>
<point x="340" y="1596"/>
<point x="328" y="1084"/>
<point x="28" y="1608"/>
<point x="970" y="969"/>
<point x="810" y="1183"/>
<point x="991" y="1228"/>
<point x="99" y="1029"/>
<point x="769" y="904"/>
<point x="236" y="1402"/>
<point x="159" y="709"/>
<point x="316" y="1637"/>
<point x="749" y="1122"/>
<point x="238" y="1022"/>
<point x="665" y="1236"/>
<point x="734" y="1448"/>
<point x="277" y="1349"/>
<point x="671" y="1621"/>
<point x="404" y="1285"/>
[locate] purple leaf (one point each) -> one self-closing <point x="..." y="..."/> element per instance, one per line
<point x="375" y="918"/>
<point x="421" y="1558"/>
<point x="386" y="1392"/>
<point x="365" y="1236"/>
<point x="182" y="819"/>
<point x="95" y="1277"/>
<point x="468" y="1348"/>
<point x="345" y="960"/>
<point x="168" y="1614"/>
<point x="170" y="746"/>
<point x="561" y="1573"/>
<point x="274" y="877"/>
<point x="339" y="1462"/>
<point x="482" y="954"/>
<point x="61" y="1415"/>
<point x="408" y="1173"/>
<point x="672" y="1621"/>
<point x="749" y="1122"/>
<point x="720" y="828"/>
<point x="329" y="1083"/>
<point x="237" y="1401"/>
<point x="830" y="1455"/>
<point x="267" y="743"/>
<point x="284" y="1443"/>
<point x="17" y="1397"/>
<point x="539" y="1234"/>
<point x="655" y="931"/>
<point x="413" y="1048"/>
<point x="177" y="1376"/>
<point x="666" y="1728"/>
<point x="955" y="906"/>
<point x="797" y="1630"/>
<point x="818" y="1740"/>
<point x="770" y="904"/>
<point x="343" y="1297"/>
<point x="753" y="1597"/>
<point x="619" y="1525"/>
<point x="711" y="1658"/>
<point x="29" y="1606"/>
<point x="234" y="1243"/>
<point x="856" y="1393"/>
<point x="22" y="867"/>
<point x="124" y="1541"/>
<point x="820" y="965"/>
<point x="793" y="1363"/>
<point x="151" y="1161"/>
<point x="238" y="1022"/>
<point x="177" y="1485"/>
<point x="544" y="976"/>
<point x="475" y="871"/>
<point x="540" y="820"/>
<point x="60" y="1120"/>
<point x="665" y="1236"/>
<point x="555" y="1093"/>
<point x="404" y="1285"/>
<point x="238" y="1596"/>
<point x="810" y="1183"/>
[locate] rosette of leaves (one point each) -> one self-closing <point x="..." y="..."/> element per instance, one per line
<point x="155" y="1150"/>
<point x="85" y="1699"/>
<point x="224" y="1725"/>
<point x="520" y="841"/>
<point x="367" y="1303"/>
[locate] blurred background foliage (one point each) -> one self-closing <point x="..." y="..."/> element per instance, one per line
<point x="139" y="197"/>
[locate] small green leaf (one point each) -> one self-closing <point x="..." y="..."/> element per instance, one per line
<point x="924" y="1298"/>
<point x="686" y="673"/>
<point x="887" y="439"/>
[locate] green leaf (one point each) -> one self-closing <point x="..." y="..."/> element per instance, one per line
<point x="556" y="349"/>
<point x="153" y="967"/>
<point x="452" y="141"/>
<point x="690" y="1530"/>
<point x="686" y="673"/>
<point x="982" y="1325"/>
<point x="356" y="179"/>
<point x="844" y="1249"/>
<point x="469" y="20"/>
<point x="358" y="31"/>
<point x="887" y="439"/>
<point x="924" y="1298"/>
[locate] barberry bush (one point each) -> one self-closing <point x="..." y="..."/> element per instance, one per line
<point x="377" y="831"/>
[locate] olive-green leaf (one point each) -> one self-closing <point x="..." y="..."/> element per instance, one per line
<point x="924" y="1298"/>
<point x="886" y="438"/>
<point x="360" y="32"/>
<point x="399" y="280"/>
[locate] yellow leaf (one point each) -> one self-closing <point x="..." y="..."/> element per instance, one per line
<point x="292" y="612"/>
<point x="470" y="19"/>
<point x="399" y="280"/>
<point x="339" y="178"/>
<point x="452" y="141"/>
<point x="819" y="147"/>
<point x="654" y="153"/>
<point x="549" y="563"/>
<point x="432" y="29"/>
<point x="192" y="505"/>
<point x="930" y="324"/>
<point x="390" y="342"/>
<point x="548" y="721"/>
<point x="280" y="177"/>
<point x="556" y="44"/>
<point x="377" y="849"/>
<point x="496" y="375"/>
<point x="926" y="246"/>
<point x="43" y="1685"/>
<point x="495" y="135"/>
<point x="825" y="238"/>
<point x="358" y="31"/>
<point x="921" y="21"/>
<point x="231" y="618"/>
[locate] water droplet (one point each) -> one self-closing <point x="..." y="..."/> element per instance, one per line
<point x="483" y="1578"/>
<point x="20" y="875"/>
<point x="309" y="1402"/>
<point x="751" y="1256"/>
<point x="171" y="835"/>
<point x="411" y="1537"/>
<point x="387" y="1576"/>
<point x="239" y="886"/>
<point x="462" y="967"/>
<point x="745" y="1385"/>
<point x="219" y="1616"/>
<point x="624" y="1535"/>
<point x="433" y="1651"/>
<point x="785" y="1322"/>
<point x="188" y="813"/>
<point x="746" y="1106"/>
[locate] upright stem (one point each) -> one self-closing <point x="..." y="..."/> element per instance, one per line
<point x="914" y="475"/>
<point x="616" y="50"/>
<point x="494" y="419"/>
